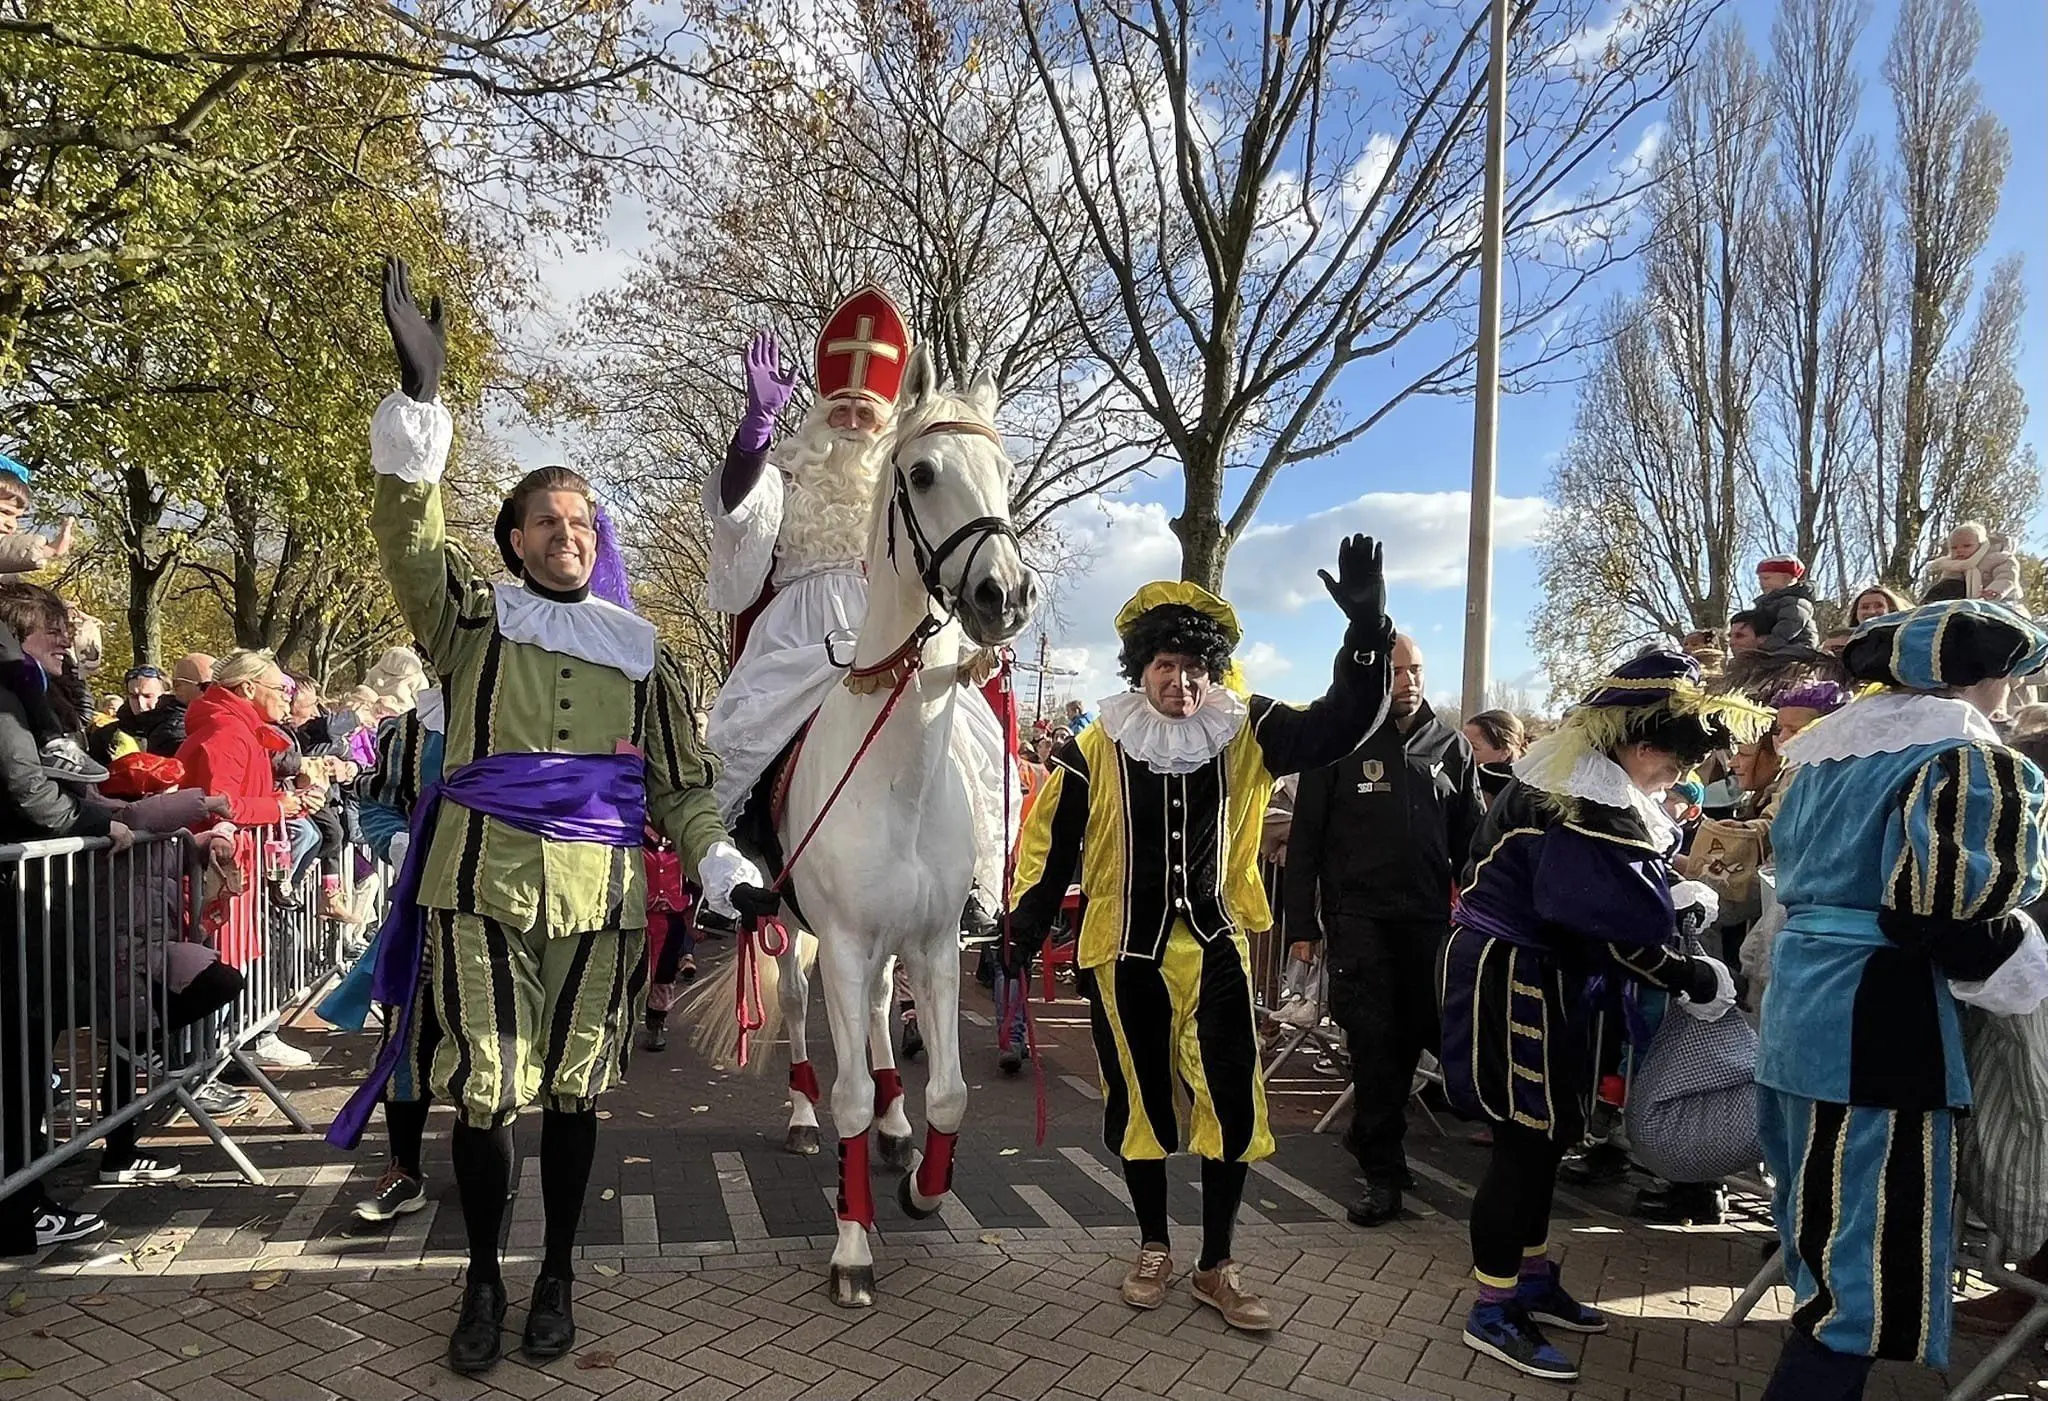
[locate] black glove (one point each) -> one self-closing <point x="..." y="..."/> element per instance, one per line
<point x="1360" y="587"/>
<point x="1692" y="923"/>
<point x="421" y="341"/>
<point x="755" y="903"/>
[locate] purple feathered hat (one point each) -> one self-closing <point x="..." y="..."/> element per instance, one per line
<point x="1823" y="696"/>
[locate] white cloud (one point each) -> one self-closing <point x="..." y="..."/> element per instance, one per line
<point x="1126" y="544"/>
<point x="1423" y="532"/>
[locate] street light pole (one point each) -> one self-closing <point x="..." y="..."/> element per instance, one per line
<point x="1486" y="391"/>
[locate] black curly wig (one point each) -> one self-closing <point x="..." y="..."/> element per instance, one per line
<point x="1691" y="737"/>
<point x="1180" y="630"/>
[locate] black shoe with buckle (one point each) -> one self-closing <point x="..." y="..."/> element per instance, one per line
<point x="476" y="1342"/>
<point x="1376" y="1206"/>
<point x="550" y="1327"/>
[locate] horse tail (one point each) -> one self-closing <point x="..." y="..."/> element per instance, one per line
<point x="713" y="1017"/>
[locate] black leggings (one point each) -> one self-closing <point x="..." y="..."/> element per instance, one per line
<point x="1511" y="1210"/>
<point x="214" y="988"/>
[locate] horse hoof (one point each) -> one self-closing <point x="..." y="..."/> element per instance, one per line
<point x="896" y="1152"/>
<point x="906" y="1197"/>
<point x="853" y="1286"/>
<point x="803" y="1138"/>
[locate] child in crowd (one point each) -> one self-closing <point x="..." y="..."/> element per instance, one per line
<point x="1784" y="609"/>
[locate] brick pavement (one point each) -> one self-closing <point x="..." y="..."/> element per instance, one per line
<point x="704" y="1256"/>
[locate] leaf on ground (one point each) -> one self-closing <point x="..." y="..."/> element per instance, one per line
<point x="1009" y="1152"/>
<point x="192" y="1350"/>
<point x="991" y="1238"/>
<point x="12" y="1372"/>
<point x="17" y="1303"/>
<point x="1265" y="1205"/>
<point x="700" y="1109"/>
<point x="595" y="1361"/>
<point x="94" y="1301"/>
<point x="604" y="1113"/>
<point x="635" y="1162"/>
<point x="608" y="1193"/>
<point x="268" y="1280"/>
<point x="606" y="1269"/>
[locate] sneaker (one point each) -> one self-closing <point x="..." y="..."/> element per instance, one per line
<point x="65" y="760"/>
<point x="271" y="1051"/>
<point x="1681" y="1204"/>
<point x="217" y="1101"/>
<point x="913" y="1039"/>
<point x="1009" y="1059"/>
<point x="1596" y="1165"/>
<point x="57" y="1224"/>
<point x="1504" y="1333"/>
<point x="686" y="971"/>
<point x="1543" y="1299"/>
<point x="1222" y="1289"/>
<point x="1145" y="1282"/>
<point x="397" y="1195"/>
<point x="140" y="1168"/>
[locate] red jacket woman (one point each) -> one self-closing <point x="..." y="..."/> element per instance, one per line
<point x="230" y="735"/>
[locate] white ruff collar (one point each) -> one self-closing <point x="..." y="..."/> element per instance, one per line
<point x="432" y="708"/>
<point x="1169" y="745"/>
<point x="1598" y="779"/>
<point x="1888" y="723"/>
<point x="592" y="630"/>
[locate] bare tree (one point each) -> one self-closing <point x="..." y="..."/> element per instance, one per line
<point x="1281" y="200"/>
<point x="1944" y="413"/>
<point x="1819" y="341"/>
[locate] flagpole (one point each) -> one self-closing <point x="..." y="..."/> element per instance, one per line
<point x="1486" y="390"/>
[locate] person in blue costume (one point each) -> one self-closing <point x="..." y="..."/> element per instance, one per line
<point x="408" y="763"/>
<point x="1572" y="893"/>
<point x="1907" y="843"/>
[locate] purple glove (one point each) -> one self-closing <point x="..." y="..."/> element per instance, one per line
<point x="768" y="389"/>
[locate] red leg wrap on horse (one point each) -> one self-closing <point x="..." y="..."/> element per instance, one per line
<point x="935" y="1173"/>
<point x="804" y="1080"/>
<point x="856" y="1193"/>
<point x="888" y="1089"/>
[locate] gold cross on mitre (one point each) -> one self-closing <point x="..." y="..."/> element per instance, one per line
<point x="860" y="346"/>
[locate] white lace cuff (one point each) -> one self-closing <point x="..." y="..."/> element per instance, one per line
<point x="723" y="868"/>
<point x="2018" y="985"/>
<point x="409" y="440"/>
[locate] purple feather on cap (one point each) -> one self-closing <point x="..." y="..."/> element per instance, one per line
<point x="1823" y="696"/>
<point x="608" y="575"/>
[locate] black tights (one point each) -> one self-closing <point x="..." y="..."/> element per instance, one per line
<point x="1808" y="1371"/>
<point x="1222" y="1192"/>
<point x="483" y="1175"/>
<point x="1511" y="1210"/>
<point x="406" y="1121"/>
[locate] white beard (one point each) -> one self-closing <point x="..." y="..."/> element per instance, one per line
<point x="828" y="500"/>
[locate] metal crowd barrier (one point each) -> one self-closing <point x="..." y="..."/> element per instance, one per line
<point x="92" y="943"/>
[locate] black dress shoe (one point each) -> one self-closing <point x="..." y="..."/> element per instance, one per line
<point x="1682" y="1204"/>
<point x="1595" y="1166"/>
<point x="550" y="1327"/>
<point x="475" y="1343"/>
<point x="1376" y="1206"/>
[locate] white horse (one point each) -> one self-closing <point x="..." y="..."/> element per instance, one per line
<point x="889" y="861"/>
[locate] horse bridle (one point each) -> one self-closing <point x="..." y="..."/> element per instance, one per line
<point x="976" y="534"/>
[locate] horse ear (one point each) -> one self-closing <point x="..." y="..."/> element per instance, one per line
<point x="984" y="395"/>
<point x="919" y="380"/>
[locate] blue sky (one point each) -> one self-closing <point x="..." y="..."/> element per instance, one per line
<point x="1425" y="447"/>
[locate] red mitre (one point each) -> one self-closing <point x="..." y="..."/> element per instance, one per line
<point x="864" y="348"/>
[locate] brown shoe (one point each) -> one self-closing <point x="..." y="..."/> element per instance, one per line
<point x="1222" y="1289"/>
<point x="1145" y="1284"/>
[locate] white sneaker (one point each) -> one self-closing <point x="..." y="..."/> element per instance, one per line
<point x="271" y="1051"/>
<point x="65" y="760"/>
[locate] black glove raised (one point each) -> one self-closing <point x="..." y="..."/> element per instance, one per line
<point x="421" y="341"/>
<point x="1360" y="587"/>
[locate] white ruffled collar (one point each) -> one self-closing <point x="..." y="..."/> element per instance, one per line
<point x="432" y="709"/>
<point x="1598" y="779"/>
<point x="1170" y="745"/>
<point x="1889" y="723"/>
<point x="590" y="630"/>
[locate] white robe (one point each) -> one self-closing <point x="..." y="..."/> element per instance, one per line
<point x="788" y="666"/>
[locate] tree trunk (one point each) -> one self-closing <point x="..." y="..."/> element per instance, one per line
<point x="1204" y="545"/>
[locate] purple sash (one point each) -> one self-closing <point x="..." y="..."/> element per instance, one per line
<point x="599" y="798"/>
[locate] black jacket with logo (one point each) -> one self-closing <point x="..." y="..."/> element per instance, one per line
<point x="1384" y="832"/>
